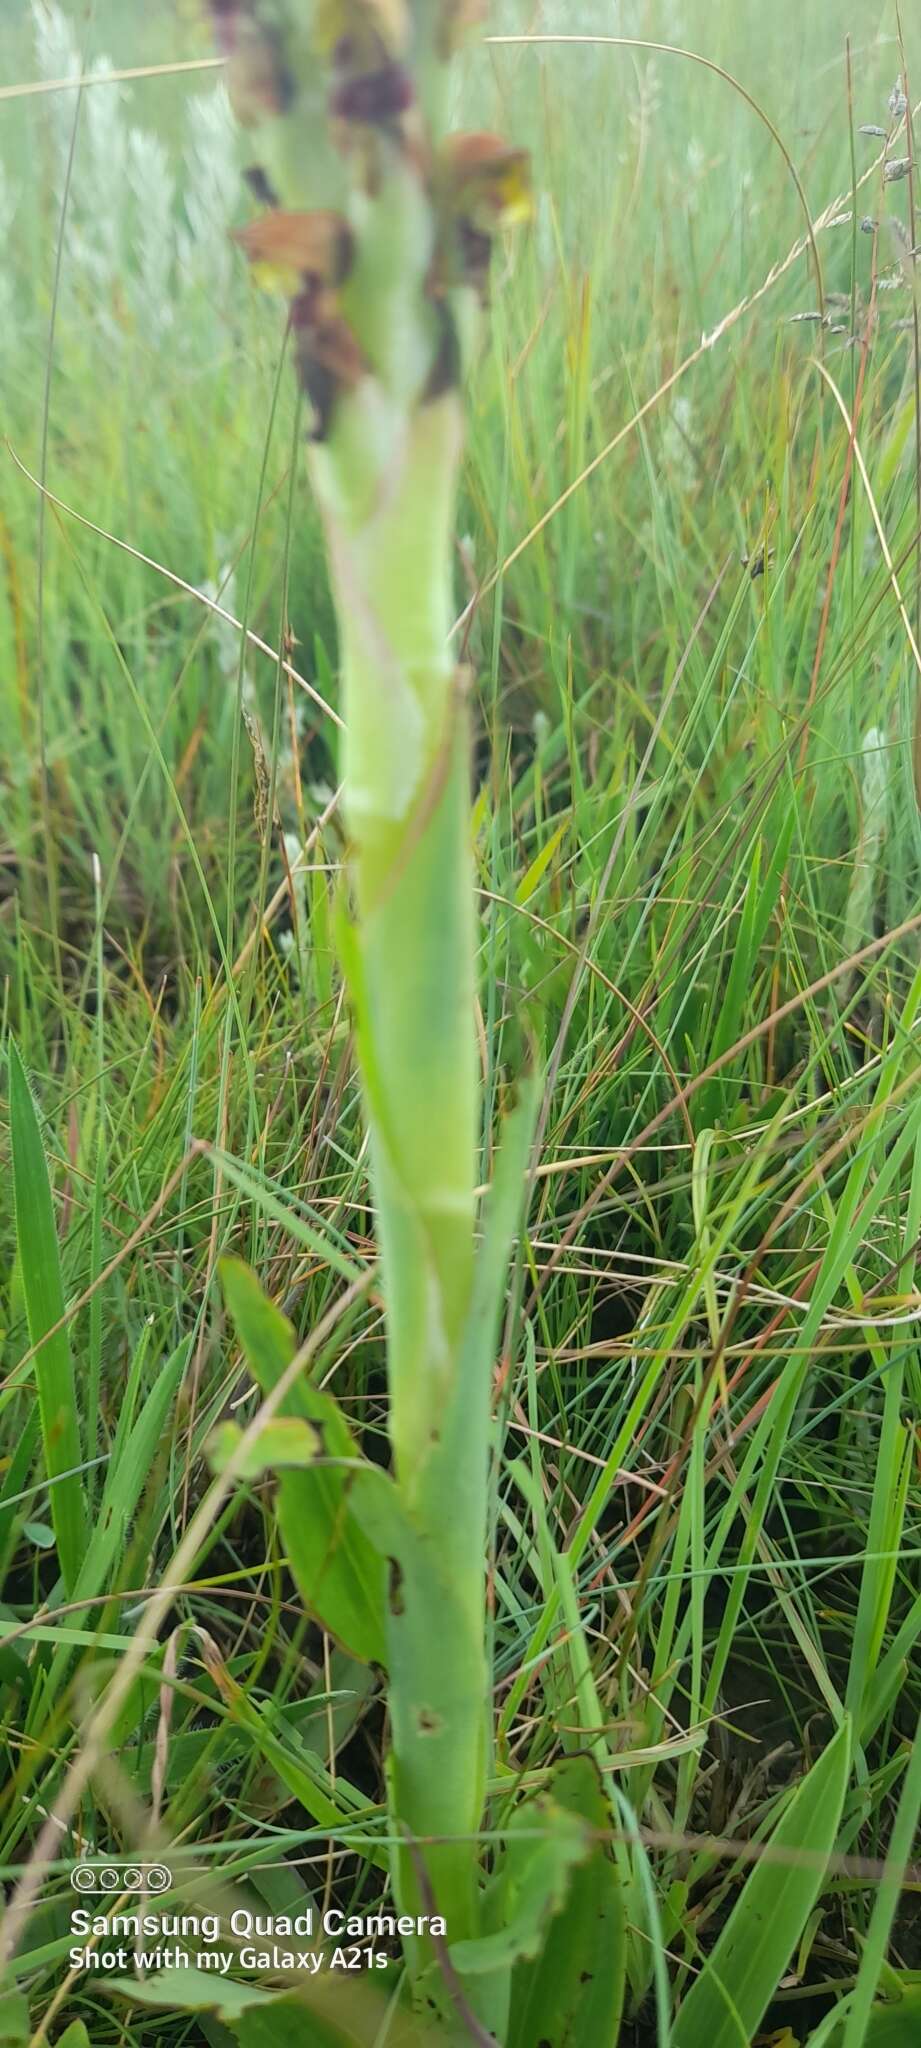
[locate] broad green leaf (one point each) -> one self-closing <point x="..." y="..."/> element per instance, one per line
<point x="572" y="1995"/>
<point x="191" y="1991"/>
<point x="895" y="2023"/>
<point x="288" y="2020"/>
<point x="74" y="2036"/>
<point x="340" y="1575"/>
<point x="14" y="2019"/>
<point x="39" y="1259"/>
<point x="544" y="1843"/>
<point x="292" y="2021"/>
<point x="286" y="1440"/>
<point x="328" y="2011"/>
<point x="337" y="2011"/>
<point x="727" y="2002"/>
<point x="894" y="2026"/>
<point x="550" y="1848"/>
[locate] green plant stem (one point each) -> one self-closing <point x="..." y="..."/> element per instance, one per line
<point x="411" y="963"/>
<point x="407" y="801"/>
<point x="383" y="234"/>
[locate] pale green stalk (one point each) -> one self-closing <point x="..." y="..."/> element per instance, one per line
<point x="407" y="806"/>
<point x="379" y="232"/>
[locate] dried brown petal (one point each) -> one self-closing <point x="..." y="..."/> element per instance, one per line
<point x="488" y="183"/>
<point x="373" y="97"/>
<point x="326" y="353"/>
<point x="289" y="246"/>
<point x="468" y="153"/>
<point x="333" y="344"/>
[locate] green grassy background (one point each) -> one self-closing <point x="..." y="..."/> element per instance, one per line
<point x="695" y="803"/>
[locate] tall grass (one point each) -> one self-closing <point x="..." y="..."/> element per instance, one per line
<point x="697" y="845"/>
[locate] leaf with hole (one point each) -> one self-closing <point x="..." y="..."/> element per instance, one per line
<point x="547" y="1838"/>
<point x="571" y="1995"/>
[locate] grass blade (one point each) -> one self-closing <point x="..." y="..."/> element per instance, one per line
<point x="904" y="1835"/>
<point x="738" y="1980"/>
<point x="44" y="1294"/>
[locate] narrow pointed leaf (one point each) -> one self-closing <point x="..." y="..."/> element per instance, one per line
<point x="44" y="1295"/>
<point x="339" y="1573"/>
<point x="726" y="2004"/>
